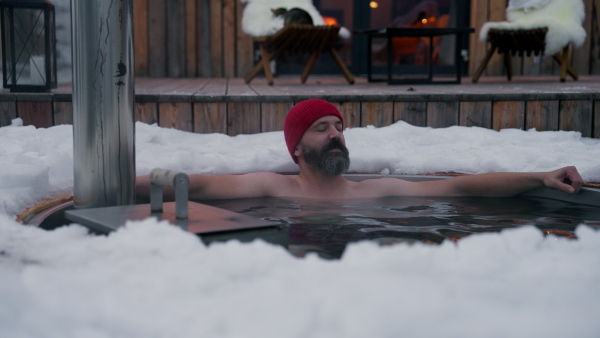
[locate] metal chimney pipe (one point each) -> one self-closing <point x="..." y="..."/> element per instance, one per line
<point x="103" y="99"/>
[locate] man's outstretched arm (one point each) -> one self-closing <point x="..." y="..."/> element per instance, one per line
<point x="566" y="179"/>
<point x="222" y="186"/>
<point x="502" y="184"/>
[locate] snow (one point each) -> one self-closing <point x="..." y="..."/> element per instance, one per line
<point x="150" y="279"/>
<point x="258" y="19"/>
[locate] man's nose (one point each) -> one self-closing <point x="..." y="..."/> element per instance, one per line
<point x="335" y="133"/>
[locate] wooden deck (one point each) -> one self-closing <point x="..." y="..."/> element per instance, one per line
<point x="229" y="106"/>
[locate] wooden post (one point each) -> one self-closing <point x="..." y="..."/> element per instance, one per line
<point x="8" y="112"/>
<point x="476" y="114"/>
<point x="542" y="115"/>
<point x="576" y="115"/>
<point x="140" y="31"/>
<point x="442" y="114"/>
<point x="508" y="114"/>
<point x="414" y="113"/>
<point x="378" y="114"/>
<point x="38" y="114"/>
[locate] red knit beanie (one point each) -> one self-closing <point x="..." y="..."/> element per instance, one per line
<point x="302" y="116"/>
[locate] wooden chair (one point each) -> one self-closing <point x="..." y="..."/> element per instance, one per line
<point x="307" y="39"/>
<point x="512" y="42"/>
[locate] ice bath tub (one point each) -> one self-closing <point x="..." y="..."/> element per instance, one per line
<point x="304" y="226"/>
<point x="326" y="228"/>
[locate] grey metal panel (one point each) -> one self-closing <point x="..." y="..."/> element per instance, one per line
<point x="203" y="219"/>
<point x="103" y="98"/>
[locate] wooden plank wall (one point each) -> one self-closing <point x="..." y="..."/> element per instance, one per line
<point x="585" y="59"/>
<point x="204" y="38"/>
<point x="191" y="38"/>
<point x="251" y="116"/>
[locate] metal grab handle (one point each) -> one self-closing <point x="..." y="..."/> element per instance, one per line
<point x="160" y="178"/>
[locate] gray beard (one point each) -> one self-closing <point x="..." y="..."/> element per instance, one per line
<point x="328" y="163"/>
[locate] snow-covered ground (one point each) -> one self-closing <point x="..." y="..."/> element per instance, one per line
<point x="150" y="279"/>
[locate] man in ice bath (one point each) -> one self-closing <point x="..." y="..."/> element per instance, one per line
<point x="314" y="134"/>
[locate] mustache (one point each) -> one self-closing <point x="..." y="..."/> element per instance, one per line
<point x="335" y="144"/>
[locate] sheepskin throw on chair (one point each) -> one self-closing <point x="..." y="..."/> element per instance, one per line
<point x="563" y="18"/>
<point x="258" y="19"/>
<point x="536" y="27"/>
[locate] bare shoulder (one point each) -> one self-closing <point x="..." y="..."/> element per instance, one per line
<point x="266" y="178"/>
<point x="258" y="184"/>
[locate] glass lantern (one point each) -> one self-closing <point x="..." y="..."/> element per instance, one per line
<point x="28" y="45"/>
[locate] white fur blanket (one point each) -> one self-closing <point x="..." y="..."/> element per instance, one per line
<point x="258" y="20"/>
<point x="563" y="18"/>
<point x="526" y="5"/>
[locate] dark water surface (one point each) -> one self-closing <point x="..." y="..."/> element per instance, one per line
<point x="326" y="227"/>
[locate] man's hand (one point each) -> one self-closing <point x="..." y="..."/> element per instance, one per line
<point x="566" y="179"/>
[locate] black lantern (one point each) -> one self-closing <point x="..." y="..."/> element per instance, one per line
<point x="28" y="45"/>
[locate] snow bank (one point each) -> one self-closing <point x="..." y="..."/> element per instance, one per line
<point x="150" y="279"/>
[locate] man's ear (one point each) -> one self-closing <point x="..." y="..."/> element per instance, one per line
<point x="297" y="152"/>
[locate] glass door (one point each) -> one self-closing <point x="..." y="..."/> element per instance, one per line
<point x="357" y="15"/>
<point x="411" y="54"/>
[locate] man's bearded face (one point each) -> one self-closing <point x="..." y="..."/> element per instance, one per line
<point x="330" y="163"/>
